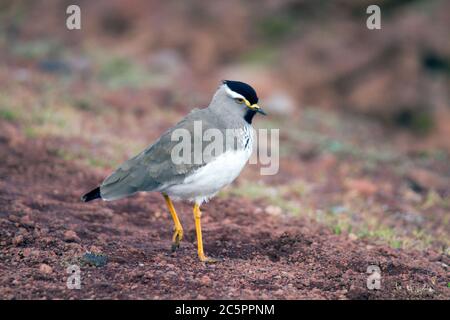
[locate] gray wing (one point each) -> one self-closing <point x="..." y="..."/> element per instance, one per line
<point x="154" y="167"/>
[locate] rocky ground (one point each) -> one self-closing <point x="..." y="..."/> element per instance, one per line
<point x="44" y="228"/>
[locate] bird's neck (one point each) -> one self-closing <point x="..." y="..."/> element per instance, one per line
<point x="248" y="117"/>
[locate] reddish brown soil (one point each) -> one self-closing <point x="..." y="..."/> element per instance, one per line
<point x="264" y="257"/>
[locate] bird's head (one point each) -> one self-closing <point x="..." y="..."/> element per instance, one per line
<point x="237" y="98"/>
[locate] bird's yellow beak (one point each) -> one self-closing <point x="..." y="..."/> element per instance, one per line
<point x="255" y="107"/>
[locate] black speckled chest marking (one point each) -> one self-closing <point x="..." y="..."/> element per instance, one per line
<point x="248" y="138"/>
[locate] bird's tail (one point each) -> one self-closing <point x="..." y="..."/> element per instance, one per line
<point x="92" y="195"/>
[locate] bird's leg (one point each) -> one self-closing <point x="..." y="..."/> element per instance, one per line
<point x="198" y="228"/>
<point x="178" y="229"/>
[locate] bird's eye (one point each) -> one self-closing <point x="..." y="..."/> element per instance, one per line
<point x="239" y="100"/>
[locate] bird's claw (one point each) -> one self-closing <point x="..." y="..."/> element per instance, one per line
<point x="206" y="259"/>
<point x="176" y="239"/>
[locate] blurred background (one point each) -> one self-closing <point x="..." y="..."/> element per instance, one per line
<point x="364" y="114"/>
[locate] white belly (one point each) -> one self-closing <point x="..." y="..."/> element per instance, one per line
<point x="206" y="181"/>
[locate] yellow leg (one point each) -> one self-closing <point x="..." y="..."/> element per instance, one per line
<point x="178" y="229"/>
<point x="198" y="229"/>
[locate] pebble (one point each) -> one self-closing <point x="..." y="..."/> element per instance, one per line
<point x="279" y="292"/>
<point x="71" y="236"/>
<point x="426" y="179"/>
<point x="13" y="218"/>
<point x="361" y="186"/>
<point x="47" y="240"/>
<point x="26" y="220"/>
<point x="352" y="236"/>
<point x="26" y="252"/>
<point x="45" y="269"/>
<point x="274" y="210"/>
<point x="18" y="240"/>
<point x="171" y="273"/>
<point x="95" y="249"/>
<point x="205" y="280"/>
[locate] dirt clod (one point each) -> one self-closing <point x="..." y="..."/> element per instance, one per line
<point x="26" y="221"/>
<point x="71" y="236"/>
<point x="45" y="269"/>
<point x="205" y="280"/>
<point x="18" y="240"/>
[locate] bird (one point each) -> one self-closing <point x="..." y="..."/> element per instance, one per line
<point x="232" y="107"/>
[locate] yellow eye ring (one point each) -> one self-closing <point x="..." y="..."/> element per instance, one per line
<point x="239" y="100"/>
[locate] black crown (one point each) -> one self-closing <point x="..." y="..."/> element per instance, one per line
<point x="243" y="89"/>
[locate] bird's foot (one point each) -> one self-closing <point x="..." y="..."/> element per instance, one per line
<point x="206" y="259"/>
<point x="176" y="239"/>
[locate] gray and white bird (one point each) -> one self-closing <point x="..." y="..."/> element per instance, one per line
<point x="232" y="107"/>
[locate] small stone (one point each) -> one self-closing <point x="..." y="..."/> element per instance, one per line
<point x="71" y="236"/>
<point x="264" y="296"/>
<point x="45" y="269"/>
<point x="274" y="210"/>
<point x="13" y="218"/>
<point x="171" y="273"/>
<point x="352" y="236"/>
<point x="411" y="196"/>
<point x="94" y="249"/>
<point x="26" y="252"/>
<point x="423" y="179"/>
<point x="18" y="240"/>
<point x="279" y="292"/>
<point x="26" y="221"/>
<point x="205" y="280"/>
<point x="361" y="186"/>
<point x="47" y="240"/>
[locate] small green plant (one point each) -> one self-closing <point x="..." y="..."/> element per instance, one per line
<point x="277" y="26"/>
<point x="8" y="115"/>
<point x="119" y="72"/>
<point x="94" y="259"/>
<point x="337" y="230"/>
<point x="30" y="132"/>
<point x="35" y="50"/>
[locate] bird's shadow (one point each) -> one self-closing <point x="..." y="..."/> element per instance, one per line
<point x="236" y="245"/>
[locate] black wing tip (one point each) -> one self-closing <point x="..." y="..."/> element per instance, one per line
<point x="91" y="195"/>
